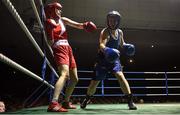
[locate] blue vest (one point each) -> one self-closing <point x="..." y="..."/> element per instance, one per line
<point x="113" y="42"/>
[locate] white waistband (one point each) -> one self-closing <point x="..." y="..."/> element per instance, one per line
<point x="61" y="42"/>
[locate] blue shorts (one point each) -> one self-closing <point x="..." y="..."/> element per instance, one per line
<point x="103" y="68"/>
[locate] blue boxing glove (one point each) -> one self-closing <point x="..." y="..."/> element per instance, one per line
<point x="111" y="54"/>
<point x="129" y="49"/>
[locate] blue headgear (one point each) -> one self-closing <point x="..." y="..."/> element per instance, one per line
<point x="116" y="16"/>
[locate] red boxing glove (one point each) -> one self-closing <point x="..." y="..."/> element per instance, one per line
<point x="89" y="26"/>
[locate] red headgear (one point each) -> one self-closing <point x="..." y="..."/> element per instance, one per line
<point x="50" y="9"/>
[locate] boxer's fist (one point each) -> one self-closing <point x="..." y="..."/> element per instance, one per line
<point x="89" y="26"/>
<point x="111" y="54"/>
<point x="129" y="49"/>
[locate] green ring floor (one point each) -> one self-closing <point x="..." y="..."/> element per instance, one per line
<point x="162" y="108"/>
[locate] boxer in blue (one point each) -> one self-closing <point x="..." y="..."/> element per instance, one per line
<point x="111" y="39"/>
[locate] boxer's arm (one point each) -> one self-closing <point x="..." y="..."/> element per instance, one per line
<point x="49" y="31"/>
<point x="103" y="40"/>
<point x="72" y="23"/>
<point x="87" y="26"/>
<point x="122" y="38"/>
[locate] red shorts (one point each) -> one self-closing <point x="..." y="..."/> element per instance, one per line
<point x="63" y="55"/>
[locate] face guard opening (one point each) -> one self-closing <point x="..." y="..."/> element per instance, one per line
<point x="51" y="10"/>
<point x="113" y="20"/>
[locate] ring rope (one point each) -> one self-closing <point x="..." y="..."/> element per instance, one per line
<point x="40" y="23"/>
<point x="15" y="65"/>
<point x="177" y="72"/>
<point x="137" y="87"/>
<point x="107" y="95"/>
<point x="25" y="29"/>
<point x="139" y="79"/>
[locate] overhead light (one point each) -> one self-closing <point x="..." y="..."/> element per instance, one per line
<point x="130" y="61"/>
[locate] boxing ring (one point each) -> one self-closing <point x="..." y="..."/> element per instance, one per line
<point x="161" y="78"/>
<point x="150" y="82"/>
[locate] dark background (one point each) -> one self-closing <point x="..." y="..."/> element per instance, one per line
<point x="163" y="56"/>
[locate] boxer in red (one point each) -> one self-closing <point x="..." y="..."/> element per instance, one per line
<point x="55" y="26"/>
